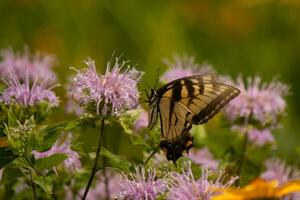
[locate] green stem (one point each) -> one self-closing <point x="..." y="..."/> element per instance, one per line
<point x="242" y="158"/>
<point x="94" y="169"/>
<point x="32" y="166"/>
<point x="34" y="197"/>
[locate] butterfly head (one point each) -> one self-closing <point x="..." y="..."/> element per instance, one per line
<point x="152" y="96"/>
<point x="173" y="150"/>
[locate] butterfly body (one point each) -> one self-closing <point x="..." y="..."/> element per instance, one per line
<point x="183" y="102"/>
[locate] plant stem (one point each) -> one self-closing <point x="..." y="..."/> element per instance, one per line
<point x="34" y="197"/>
<point x="150" y="156"/>
<point x="94" y="169"/>
<point x="53" y="195"/>
<point x="242" y="158"/>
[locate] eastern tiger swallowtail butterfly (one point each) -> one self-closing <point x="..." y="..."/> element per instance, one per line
<point x="183" y="102"/>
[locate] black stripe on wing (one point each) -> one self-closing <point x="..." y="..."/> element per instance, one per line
<point x="215" y="106"/>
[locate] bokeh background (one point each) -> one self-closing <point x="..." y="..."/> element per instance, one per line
<point x="257" y="37"/>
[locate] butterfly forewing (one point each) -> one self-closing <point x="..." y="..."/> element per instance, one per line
<point x="192" y="99"/>
<point x="187" y="101"/>
<point x="152" y="115"/>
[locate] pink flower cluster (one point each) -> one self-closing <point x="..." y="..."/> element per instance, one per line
<point x="62" y="145"/>
<point x="27" y="78"/>
<point x="107" y="94"/>
<point x="258" y="108"/>
<point x="142" y="185"/>
<point x="185" y="187"/>
<point x="184" y="66"/>
<point x="15" y="65"/>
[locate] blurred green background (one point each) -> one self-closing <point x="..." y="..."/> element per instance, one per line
<point x="256" y="37"/>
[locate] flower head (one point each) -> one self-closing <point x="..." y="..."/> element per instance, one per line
<point x="185" y="187"/>
<point x="184" y="66"/>
<point x="142" y="185"/>
<point x="108" y="94"/>
<point x="263" y="103"/>
<point x="204" y="158"/>
<point x="277" y="170"/>
<point x="62" y="145"/>
<point x="257" y="110"/>
<point x="27" y="94"/>
<point x="256" y="136"/>
<point x="19" y="135"/>
<point x="141" y="122"/>
<point x="13" y="66"/>
<point x="259" y="189"/>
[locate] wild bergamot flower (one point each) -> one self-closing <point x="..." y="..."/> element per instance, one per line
<point x="143" y="184"/>
<point x="108" y="94"/>
<point x="28" y="94"/>
<point x="204" y="158"/>
<point x="184" y="66"/>
<point x="279" y="171"/>
<point x="14" y="65"/>
<point x="258" y="108"/>
<point x="62" y="145"/>
<point x="185" y="187"/>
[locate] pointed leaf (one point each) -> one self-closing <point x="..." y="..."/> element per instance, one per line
<point x="116" y="161"/>
<point x="6" y="156"/>
<point x="50" y="161"/>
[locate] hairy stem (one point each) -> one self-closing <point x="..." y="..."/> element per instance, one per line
<point x="94" y="169"/>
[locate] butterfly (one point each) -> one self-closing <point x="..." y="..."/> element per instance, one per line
<point x="183" y="102"/>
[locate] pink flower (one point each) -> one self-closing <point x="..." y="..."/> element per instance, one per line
<point x="141" y="185"/>
<point x="261" y="137"/>
<point x="27" y="94"/>
<point x="13" y="66"/>
<point x="141" y="122"/>
<point x="62" y="145"/>
<point x="185" y="187"/>
<point x="279" y="171"/>
<point x="182" y="67"/>
<point x="108" y="94"/>
<point x="260" y="102"/>
<point x="204" y="158"/>
<point x="258" y="109"/>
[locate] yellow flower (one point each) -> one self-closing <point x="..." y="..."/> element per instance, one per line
<point x="259" y="189"/>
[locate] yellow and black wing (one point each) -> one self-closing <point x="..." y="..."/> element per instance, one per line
<point x="187" y="101"/>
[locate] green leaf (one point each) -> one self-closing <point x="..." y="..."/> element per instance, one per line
<point x="52" y="133"/>
<point x="21" y="162"/>
<point x="6" y="156"/>
<point x="49" y="162"/>
<point x="10" y="174"/>
<point x="116" y="161"/>
<point x="45" y="182"/>
<point x="128" y="119"/>
<point x="138" y="140"/>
